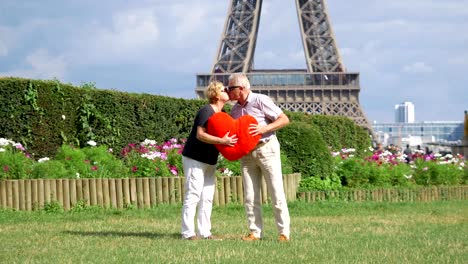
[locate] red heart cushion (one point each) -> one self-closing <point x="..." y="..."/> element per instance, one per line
<point x="220" y="123"/>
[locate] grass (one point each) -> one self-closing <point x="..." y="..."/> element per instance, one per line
<point x="327" y="232"/>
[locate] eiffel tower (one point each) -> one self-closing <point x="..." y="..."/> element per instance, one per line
<point x="323" y="88"/>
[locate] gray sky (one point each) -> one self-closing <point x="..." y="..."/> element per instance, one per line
<point x="405" y="50"/>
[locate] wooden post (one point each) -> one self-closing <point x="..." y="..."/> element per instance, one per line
<point x="159" y="188"/>
<point x="34" y="195"/>
<point x="40" y="193"/>
<point x="227" y="190"/>
<point x="86" y="191"/>
<point x="133" y="191"/>
<point x="119" y="194"/>
<point x="171" y="190"/>
<point x="21" y="195"/>
<point x="113" y="193"/>
<point x="152" y="191"/>
<point x="165" y="187"/>
<point x="93" y="191"/>
<point x="3" y="194"/>
<point x="73" y="195"/>
<point x="139" y="192"/>
<point x="240" y="189"/>
<point x="65" y="195"/>
<point x="222" y="195"/>
<point x="146" y="193"/>
<point x="99" y="192"/>
<point x="79" y="189"/>
<point x="27" y="195"/>
<point x="126" y="191"/>
<point x="235" y="199"/>
<point x="49" y="191"/>
<point x="105" y="192"/>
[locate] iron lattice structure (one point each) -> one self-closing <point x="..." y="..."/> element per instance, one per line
<point x="323" y="88"/>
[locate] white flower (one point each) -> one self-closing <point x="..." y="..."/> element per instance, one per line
<point x="91" y="143"/>
<point x="5" y="142"/>
<point x="43" y="159"/>
<point x="348" y="150"/>
<point x="227" y="172"/>
<point x="77" y="175"/>
<point x="148" y="142"/>
<point x="110" y="150"/>
<point x="408" y="176"/>
<point x="63" y="117"/>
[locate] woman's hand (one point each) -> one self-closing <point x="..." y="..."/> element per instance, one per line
<point x="229" y="140"/>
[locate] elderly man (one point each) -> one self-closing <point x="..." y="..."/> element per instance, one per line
<point x="264" y="160"/>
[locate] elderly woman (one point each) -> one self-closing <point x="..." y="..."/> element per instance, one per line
<point x="199" y="159"/>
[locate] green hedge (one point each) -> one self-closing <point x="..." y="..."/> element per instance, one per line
<point x="43" y="115"/>
<point x="306" y="150"/>
<point x="338" y="132"/>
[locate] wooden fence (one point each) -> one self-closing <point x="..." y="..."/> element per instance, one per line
<point x="426" y="194"/>
<point x="119" y="193"/>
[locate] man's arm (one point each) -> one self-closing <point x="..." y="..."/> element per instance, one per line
<point x="280" y="122"/>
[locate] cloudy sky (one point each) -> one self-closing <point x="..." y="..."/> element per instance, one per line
<point x="405" y="50"/>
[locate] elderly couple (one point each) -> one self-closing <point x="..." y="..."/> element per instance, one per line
<point x="200" y="156"/>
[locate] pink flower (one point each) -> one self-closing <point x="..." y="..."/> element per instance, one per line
<point x="6" y="168"/>
<point x="94" y="168"/>
<point x="134" y="169"/>
<point x="425" y="168"/>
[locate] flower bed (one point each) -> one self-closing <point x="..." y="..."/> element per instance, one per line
<point x="145" y="159"/>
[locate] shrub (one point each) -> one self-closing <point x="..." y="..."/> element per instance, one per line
<point x="50" y="169"/>
<point x="306" y="150"/>
<point x="104" y="164"/>
<point x="90" y="162"/>
<point x="15" y="163"/>
<point x="332" y="183"/>
<point x="438" y="172"/>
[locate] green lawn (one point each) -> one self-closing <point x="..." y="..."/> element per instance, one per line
<point x="328" y="232"/>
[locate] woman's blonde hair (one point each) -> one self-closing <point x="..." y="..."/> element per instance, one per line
<point x="213" y="91"/>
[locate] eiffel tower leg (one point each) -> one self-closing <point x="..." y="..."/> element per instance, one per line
<point x="237" y="47"/>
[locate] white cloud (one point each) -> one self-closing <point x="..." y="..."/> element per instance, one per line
<point x="41" y="65"/>
<point x="127" y="39"/>
<point x="187" y="23"/>
<point x="418" y="67"/>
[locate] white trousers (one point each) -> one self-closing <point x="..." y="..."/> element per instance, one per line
<point x="264" y="161"/>
<point x="199" y="190"/>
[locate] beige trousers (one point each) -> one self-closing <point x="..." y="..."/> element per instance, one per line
<point x="264" y="161"/>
